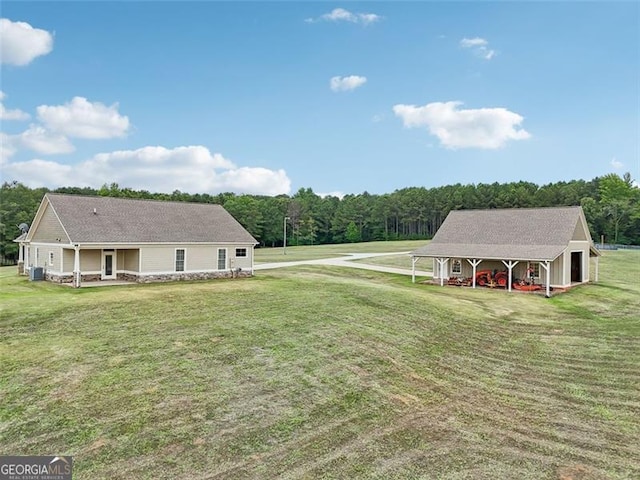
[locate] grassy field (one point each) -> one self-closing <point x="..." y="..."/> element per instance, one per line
<point x="313" y="252"/>
<point x="323" y="372"/>
<point x="400" y="261"/>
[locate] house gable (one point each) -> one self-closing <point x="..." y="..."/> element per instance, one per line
<point x="47" y="227"/>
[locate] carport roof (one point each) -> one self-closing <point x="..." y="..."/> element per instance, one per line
<point x="539" y="234"/>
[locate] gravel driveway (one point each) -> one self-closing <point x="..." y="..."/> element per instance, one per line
<point x="347" y="261"/>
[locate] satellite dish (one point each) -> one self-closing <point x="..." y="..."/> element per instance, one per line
<point x="24" y="228"/>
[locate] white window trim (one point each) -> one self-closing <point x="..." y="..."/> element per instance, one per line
<point x="175" y="260"/>
<point x="226" y="259"/>
<point x="453" y="264"/>
<point x="246" y="252"/>
<point x="536" y="269"/>
<point x="50" y="258"/>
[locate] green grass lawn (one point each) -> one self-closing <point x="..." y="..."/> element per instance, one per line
<point x="313" y="252"/>
<point x="399" y="261"/>
<point x="324" y="372"/>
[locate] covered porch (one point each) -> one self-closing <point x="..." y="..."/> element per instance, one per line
<point x="86" y="266"/>
<point x="532" y="274"/>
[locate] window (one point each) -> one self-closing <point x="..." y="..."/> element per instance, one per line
<point x="533" y="269"/>
<point x="51" y="259"/>
<point x="180" y="259"/>
<point x="37" y="259"/>
<point x="241" y="252"/>
<point x="222" y="259"/>
<point x="456" y="267"/>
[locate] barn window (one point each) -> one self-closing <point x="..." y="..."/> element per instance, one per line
<point x="456" y="267"/>
<point x="180" y="256"/>
<point x="533" y="269"/>
<point x="241" y="252"/>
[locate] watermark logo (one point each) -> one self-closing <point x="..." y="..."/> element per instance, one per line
<point x="35" y="467"/>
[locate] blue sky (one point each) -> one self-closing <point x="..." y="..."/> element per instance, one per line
<point x="270" y="97"/>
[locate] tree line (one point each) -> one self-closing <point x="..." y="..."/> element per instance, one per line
<point x="611" y="204"/>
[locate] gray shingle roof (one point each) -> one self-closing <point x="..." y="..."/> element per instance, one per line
<point x="507" y="234"/>
<point x="123" y="220"/>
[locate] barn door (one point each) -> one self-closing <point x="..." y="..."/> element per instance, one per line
<point x="576" y="267"/>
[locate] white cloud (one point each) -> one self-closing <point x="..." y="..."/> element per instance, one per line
<point x="378" y="117"/>
<point x="479" y="46"/>
<point x="7" y="148"/>
<point x="458" y="128"/>
<point x="473" y="42"/>
<point x="189" y="169"/>
<point x="342" y="15"/>
<point x="615" y="163"/>
<point x="39" y="139"/>
<point x="83" y="119"/>
<point x="336" y="194"/>
<point x="11" y="114"/>
<point x="37" y="173"/>
<point x="342" y="84"/>
<point x="20" y="43"/>
<point x="254" y="180"/>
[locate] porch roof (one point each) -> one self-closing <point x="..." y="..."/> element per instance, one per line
<point x="539" y="253"/>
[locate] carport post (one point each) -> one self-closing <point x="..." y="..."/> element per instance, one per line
<point x="510" y="264"/>
<point x="414" y="260"/>
<point x="547" y="267"/>
<point x="597" y="262"/>
<point x="442" y="262"/>
<point x="474" y="263"/>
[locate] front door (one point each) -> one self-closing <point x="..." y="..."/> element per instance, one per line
<point x="108" y="265"/>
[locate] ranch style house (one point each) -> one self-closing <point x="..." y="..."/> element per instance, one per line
<point x="549" y="246"/>
<point x="79" y="239"/>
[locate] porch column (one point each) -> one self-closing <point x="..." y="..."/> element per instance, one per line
<point x="474" y="263"/>
<point x="597" y="262"/>
<point x="77" y="276"/>
<point x="510" y="264"/>
<point x="547" y="266"/>
<point x="414" y="260"/>
<point x="26" y="260"/>
<point x="20" y="259"/>
<point x="441" y="263"/>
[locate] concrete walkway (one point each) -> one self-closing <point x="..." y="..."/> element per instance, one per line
<point x="348" y="261"/>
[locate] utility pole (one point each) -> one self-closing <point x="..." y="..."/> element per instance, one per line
<point x="284" y="236"/>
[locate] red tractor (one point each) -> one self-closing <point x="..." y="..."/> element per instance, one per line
<point x="487" y="277"/>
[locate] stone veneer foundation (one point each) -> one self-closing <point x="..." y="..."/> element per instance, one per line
<point x="174" y="277"/>
<point x="171" y="277"/>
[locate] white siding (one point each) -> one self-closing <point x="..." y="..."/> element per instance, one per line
<point x="90" y="260"/>
<point x="202" y="257"/>
<point x="131" y="260"/>
<point x="160" y="259"/>
<point x="49" y="228"/>
<point x="198" y="258"/>
<point x="57" y="258"/>
<point x="68" y="257"/>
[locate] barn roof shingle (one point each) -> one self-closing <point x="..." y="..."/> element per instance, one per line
<point x="124" y="220"/>
<point x="504" y="234"/>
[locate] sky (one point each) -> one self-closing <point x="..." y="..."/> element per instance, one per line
<point x="270" y="97"/>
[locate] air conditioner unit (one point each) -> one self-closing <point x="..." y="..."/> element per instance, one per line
<point x="36" y="274"/>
